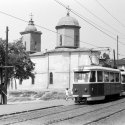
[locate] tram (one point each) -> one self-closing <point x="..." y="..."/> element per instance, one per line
<point x="123" y="82"/>
<point x="93" y="83"/>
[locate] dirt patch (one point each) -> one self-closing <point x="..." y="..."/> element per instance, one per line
<point x="18" y="96"/>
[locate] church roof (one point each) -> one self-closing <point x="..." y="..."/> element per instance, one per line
<point x="68" y="21"/>
<point x="30" y="26"/>
<point x="62" y="50"/>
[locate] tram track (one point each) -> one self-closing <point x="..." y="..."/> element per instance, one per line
<point x="49" y="115"/>
<point x="40" y="113"/>
<point x="102" y="118"/>
<point x="93" y="111"/>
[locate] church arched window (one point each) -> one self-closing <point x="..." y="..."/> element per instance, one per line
<point x="60" y="40"/>
<point x="51" y="78"/>
<point x="33" y="80"/>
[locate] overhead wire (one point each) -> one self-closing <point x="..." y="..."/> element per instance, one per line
<point x="110" y="14"/>
<point x="80" y="4"/>
<point x="55" y="31"/>
<point x="88" y="22"/>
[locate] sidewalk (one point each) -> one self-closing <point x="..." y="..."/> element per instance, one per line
<point x="27" y="106"/>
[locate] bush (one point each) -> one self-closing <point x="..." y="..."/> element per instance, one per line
<point x="53" y="95"/>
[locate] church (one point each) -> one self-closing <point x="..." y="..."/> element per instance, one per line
<point x="54" y="68"/>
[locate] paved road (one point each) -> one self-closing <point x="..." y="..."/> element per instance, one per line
<point x="108" y="113"/>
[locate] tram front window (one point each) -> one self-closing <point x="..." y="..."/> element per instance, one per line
<point x="81" y="76"/>
<point x="123" y="78"/>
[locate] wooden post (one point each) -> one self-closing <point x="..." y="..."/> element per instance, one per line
<point x="6" y="74"/>
<point x="117" y="51"/>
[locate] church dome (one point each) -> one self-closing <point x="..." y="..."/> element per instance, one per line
<point x="31" y="26"/>
<point x="68" y="21"/>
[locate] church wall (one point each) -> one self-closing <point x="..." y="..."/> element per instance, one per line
<point x="74" y="63"/>
<point x="69" y="41"/>
<point x="60" y="32"/>
<point x="41" y="71"/>
<point x="61" y="65"/>
<point x="36" y="42"/>
<point x="26" y="41"/>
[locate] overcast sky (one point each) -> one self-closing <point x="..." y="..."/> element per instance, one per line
<point x="47" y="13"/>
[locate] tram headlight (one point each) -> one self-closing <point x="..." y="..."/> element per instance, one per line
<point x="85" y="89"/>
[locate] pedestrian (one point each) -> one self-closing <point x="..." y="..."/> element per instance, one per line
<point x="67" y="93"/>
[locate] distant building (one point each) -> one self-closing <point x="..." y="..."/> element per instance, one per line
<point x="54" y="68"/>
<point x="120" y="64"/>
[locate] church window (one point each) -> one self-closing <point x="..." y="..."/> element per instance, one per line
<point x="76" y="41"/>
<point x="60" y="40"/>
<point x="51" y="78"/>
<point x="33" y="80"/>
<point x="35" y="45"/>
<point x="20" y="81"/>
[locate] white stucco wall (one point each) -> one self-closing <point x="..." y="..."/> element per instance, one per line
<point x="26" y="38"/>
<point x="35" y="37"/>
<point x="61" y="64"/>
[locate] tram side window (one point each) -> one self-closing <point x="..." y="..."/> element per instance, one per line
<point x="93" y="76"/>
<point x="123" y="78"/>
<point x="99" y="76"/>
<point x="112" y="78"/>
<point x="106" y="76"/>
<point x="75" y="77"/>
<point x="117" y="77"/>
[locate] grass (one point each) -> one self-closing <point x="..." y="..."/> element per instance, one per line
<point x="19" y="96"/>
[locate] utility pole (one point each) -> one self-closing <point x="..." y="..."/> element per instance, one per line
<point x="6" y="64"/>
<point x="117" y="50"/>
<point x="114" y="59"/>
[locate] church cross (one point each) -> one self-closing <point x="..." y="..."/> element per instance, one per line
<point x="31" y="16"/>
<point x="68" y="10"/>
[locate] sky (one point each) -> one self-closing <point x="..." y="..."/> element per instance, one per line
<point x="100" y="30"/>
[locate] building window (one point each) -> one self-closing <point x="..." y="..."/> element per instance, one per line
<point x="51" y="78"/>
<point x="60" y="40"/>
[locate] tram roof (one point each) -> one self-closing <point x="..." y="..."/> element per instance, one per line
<point x="91" y="67"/>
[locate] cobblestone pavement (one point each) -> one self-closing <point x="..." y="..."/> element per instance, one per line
<point x="26" y="106"/>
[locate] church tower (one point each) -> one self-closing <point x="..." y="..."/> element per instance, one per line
<point x="67" y="32"/>
<point x="31" y="38"/>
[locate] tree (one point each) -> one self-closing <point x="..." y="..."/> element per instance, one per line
<point x="18" y="58"/>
